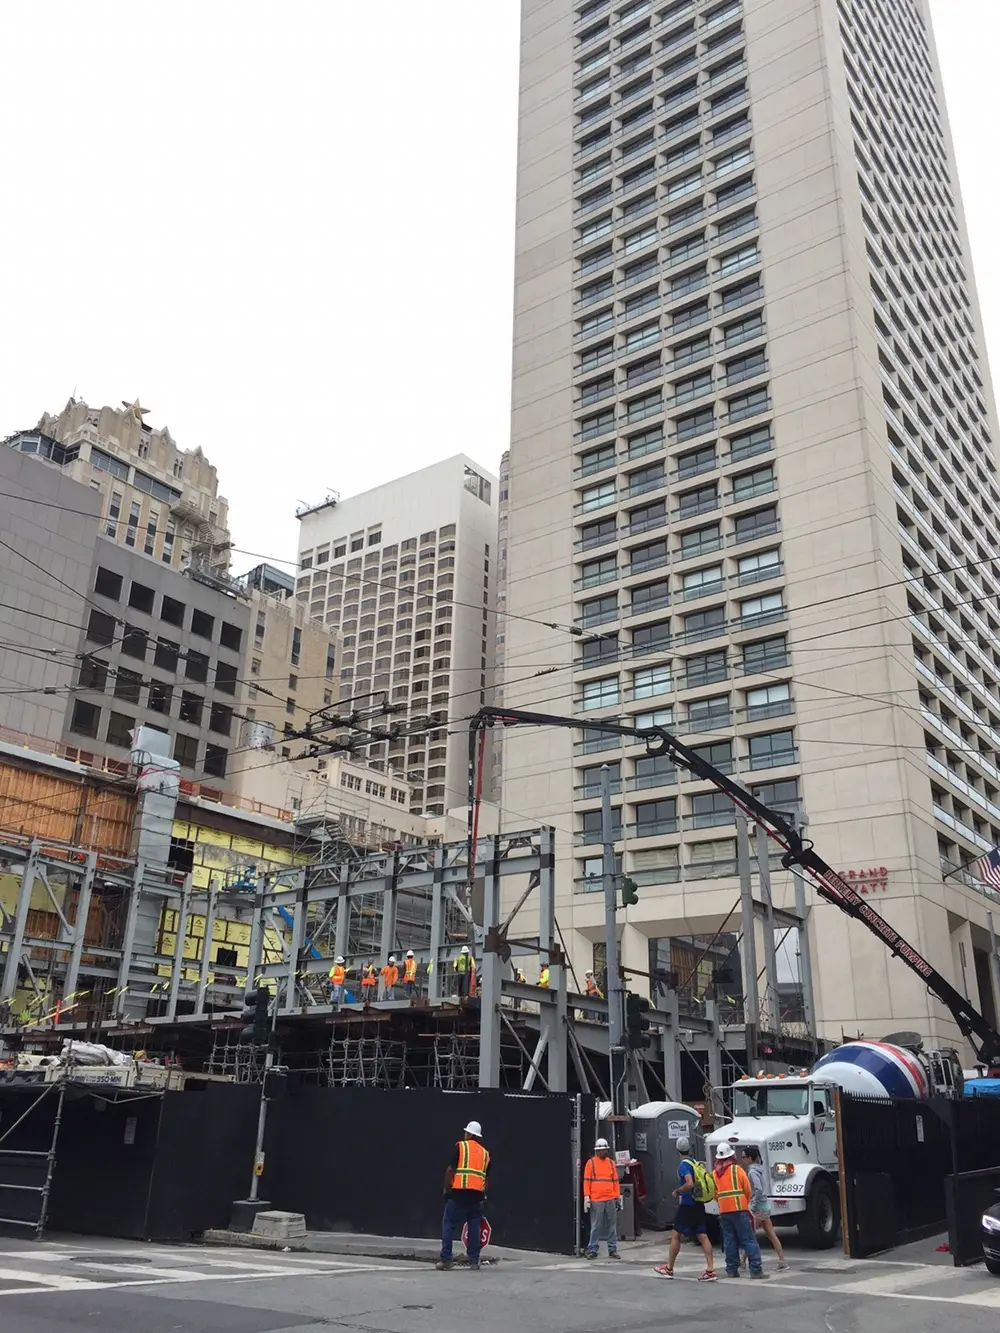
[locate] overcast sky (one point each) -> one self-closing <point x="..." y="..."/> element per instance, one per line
<point x="288" y="228"/>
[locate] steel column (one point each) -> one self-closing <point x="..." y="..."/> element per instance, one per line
<point x="211" y="905"/>
<point x="491" y="977"/>
<point x="16" y="945"/>
<point x="437" y="960"/>
<point x="748" y="928"/>
<point x="128" y="942"/>
<point x="79" y="933"/>
<point x="805" y="956"/>
<point x="177" y="966"/>
<point x="770" y="953"/>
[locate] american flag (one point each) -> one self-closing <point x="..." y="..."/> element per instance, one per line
<point x="988" y="868"/>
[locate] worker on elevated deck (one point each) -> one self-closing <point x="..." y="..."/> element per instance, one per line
<point x="464" y="967"/>
<point x="390" y="979"/>
<point x="369" y="980"/>
<point x="410" y="974"/>
<point x="338" y="975"/>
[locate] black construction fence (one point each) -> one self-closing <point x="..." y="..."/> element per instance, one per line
<point x="168" y="1166"/>
<point x="914" y="1169"/>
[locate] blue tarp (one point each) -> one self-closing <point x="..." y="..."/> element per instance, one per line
<point x="982" y="1087"/>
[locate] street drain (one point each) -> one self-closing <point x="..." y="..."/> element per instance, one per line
<point x="109" y="1259"/>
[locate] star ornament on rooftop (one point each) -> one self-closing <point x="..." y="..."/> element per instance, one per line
<point x="135" y="408"/>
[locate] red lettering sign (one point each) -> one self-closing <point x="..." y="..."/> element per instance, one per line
<point x="485" y="1232"/>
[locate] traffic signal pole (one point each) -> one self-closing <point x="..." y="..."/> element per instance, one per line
<point x="617" y="1055"/>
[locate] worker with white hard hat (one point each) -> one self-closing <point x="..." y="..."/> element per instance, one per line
<point x="602" y="1199"/>
<point x="390" y="977"/>
<point x="734" y="1192"/>
<point x="465" y="1181"/>
<point x="410" y="974"/>
<point x="338" y="975"/>
<point x="465" y="967"/>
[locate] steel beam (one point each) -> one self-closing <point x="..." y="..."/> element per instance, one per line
<point x="211" y="904"/>
<point x="78" y="931"/>
<point x="14" y="949"/>
<point x="490" y="978"/>
<point x="178" y="959"/>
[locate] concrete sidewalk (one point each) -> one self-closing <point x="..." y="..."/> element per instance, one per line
<point x="360" y="1246"/>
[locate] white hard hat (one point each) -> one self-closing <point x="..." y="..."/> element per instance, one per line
<point x="340" y="958"/>
<point x="465" y="948"/>
<point x="474" y="1127"/>
<point x="392" y="958"/>
<point x="724" y="1151"/>
<point x="409" y="953"/>
<point x="601" y="1143"/>
<point x="589" y="973"/>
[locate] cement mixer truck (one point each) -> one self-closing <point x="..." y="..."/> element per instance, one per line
<point x="790" y="1118"/>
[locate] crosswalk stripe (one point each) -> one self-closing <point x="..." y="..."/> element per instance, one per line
<point x="885" y="1284"/>
<point x="48" y="1281"/>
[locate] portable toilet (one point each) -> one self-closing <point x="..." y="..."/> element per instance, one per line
<point x="656" y="1127"/>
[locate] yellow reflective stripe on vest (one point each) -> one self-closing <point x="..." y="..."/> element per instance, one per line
<point x="469" y="1176"/>
<point x="735" y="1192"/>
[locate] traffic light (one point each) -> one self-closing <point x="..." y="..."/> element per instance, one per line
<point x="630" y="892"/>
<point x="256" y="1018"/>
<point x="637" y="1036"/>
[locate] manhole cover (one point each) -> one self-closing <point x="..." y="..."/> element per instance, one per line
<point x="109" y="1259"/>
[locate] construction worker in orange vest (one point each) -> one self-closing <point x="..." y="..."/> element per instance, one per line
<point x="734" y="1192"/>
<point x="390" y="976"/>
<point x="602" y="1199"/>
<point x="465" y="1181"/>
<point x="369" y="980"/>
<point x="410" y="973"/>
<point x="338" y="975"/>
<point x="594" y="991"/>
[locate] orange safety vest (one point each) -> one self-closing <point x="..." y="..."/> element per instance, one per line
<point x="337" y="974"/>
<point x="735" y="1197"/>
<point x="410" y="970"/>
<point x="600" y="1180"/>
<point x="390" y="975"/>
<point x="368" y="976"/>
<point x="473" y="1159"/>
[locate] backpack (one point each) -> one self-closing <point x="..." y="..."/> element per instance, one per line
<point x="704" y="1182"/>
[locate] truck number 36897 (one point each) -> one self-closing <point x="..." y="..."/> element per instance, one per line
<point x="790" y="1188"/>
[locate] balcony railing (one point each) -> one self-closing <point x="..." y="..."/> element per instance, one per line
<point x="654" y="828"/>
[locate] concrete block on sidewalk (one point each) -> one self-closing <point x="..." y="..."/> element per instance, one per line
<point x="277" y="1225"/>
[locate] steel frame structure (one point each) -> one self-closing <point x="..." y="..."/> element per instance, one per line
<point x="309" y="910"/>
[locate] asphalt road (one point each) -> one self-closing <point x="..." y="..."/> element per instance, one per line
<point x="68" y="1287"/>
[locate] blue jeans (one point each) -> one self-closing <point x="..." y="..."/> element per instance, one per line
<point x="737" y="1234"/>
<point x="603" y="1217"/>
<point x="457" y="1212"/>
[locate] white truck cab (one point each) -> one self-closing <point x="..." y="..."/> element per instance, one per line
<point x="790" y="1119"/>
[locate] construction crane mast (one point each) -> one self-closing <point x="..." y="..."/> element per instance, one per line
<point x="796" y="851"/>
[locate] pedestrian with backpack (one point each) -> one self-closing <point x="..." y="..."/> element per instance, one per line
<point x="696" y="1188"/>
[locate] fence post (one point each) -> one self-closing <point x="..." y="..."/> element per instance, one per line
<point x="845" y="1229"/>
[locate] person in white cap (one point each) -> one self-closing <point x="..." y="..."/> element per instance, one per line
<point x="410" y="974"/>
<point x="465" y="1181"/>
<point x="390" y="976"/>
<point x="690" y="1220"/>
<point x="464" y="967"/>
<point x="602" y="1199"/>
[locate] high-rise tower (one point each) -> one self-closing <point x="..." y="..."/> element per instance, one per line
<point x="753" y="459"/>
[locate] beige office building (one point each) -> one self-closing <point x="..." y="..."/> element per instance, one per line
<point x="156" y="497"/>
<point x="753" y="458"/>
<point x="406" y="572"/>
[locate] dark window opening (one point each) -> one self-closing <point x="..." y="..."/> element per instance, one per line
<point x="134" y="642"/>
<point x="160" y="696"/>
<point x="202" y="623"/>
<point x="108" y="584"/>
<point x="191" y="706"/>
<point x="181" y="855"/>
<point x="86" y="718"/>
<point x="221" y="719"/>
<point x="93" y="675"/>
<point x="166" y="655"/>
<point x="186" y="751"/>
<point x="128" y="685"/>
<point x="101" y="627"/>
<point x="141" y="598"/>
<point x="215" y="760"/>
<point x="172" y="611"/>
<point x="225" y="677"/>
<point x="196" y="666"/>
<point x="119" y="731"/>
<point x="230" y="636"/>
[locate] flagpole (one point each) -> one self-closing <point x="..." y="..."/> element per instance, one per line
<point x="965" y="866"/>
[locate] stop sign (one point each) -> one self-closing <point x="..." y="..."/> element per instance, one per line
<point x="485" y="1232"/>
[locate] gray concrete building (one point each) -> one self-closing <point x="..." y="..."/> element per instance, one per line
<point x="753" y="458"/>
<point x="48" y="527"/>
<point x="160" y="649"/>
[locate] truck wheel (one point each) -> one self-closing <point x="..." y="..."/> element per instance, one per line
<point x="993" y="1266"/>
<point x="819" y="1225"/>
